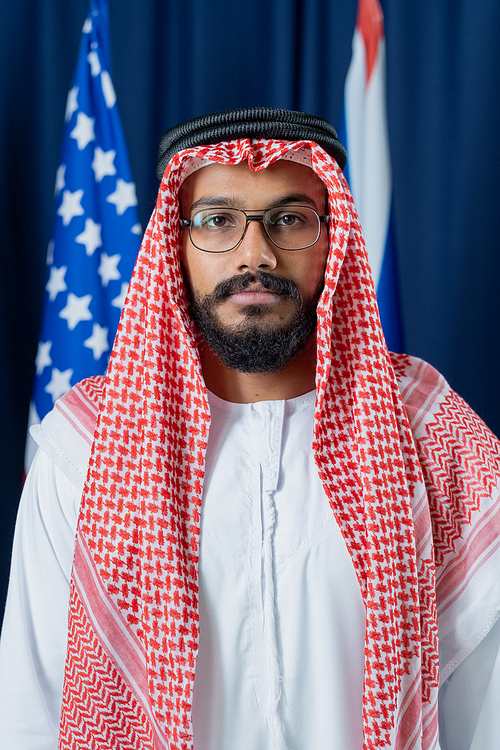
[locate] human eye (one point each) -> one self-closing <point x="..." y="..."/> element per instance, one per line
<point x="214" y="219"/>
<point x="294" y="217"/>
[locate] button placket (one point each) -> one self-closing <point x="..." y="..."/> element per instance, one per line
<point x="268" y="422"/>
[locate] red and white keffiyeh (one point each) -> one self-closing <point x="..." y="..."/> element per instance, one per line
<point x="133" y="627"/>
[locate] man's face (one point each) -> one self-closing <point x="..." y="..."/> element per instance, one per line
<point x="256" y="300"/>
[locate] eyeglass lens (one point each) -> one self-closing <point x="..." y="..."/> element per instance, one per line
<point x="217" y="230"/>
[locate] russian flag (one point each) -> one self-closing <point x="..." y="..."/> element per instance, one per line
<point x="368" y="169"/>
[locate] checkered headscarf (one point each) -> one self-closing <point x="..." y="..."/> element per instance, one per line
<point x="135" y="588"/>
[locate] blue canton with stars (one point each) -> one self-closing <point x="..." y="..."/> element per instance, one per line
<point x="96" y="234"/>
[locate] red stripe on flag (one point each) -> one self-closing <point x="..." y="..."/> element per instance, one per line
<point x="370" y="24"/>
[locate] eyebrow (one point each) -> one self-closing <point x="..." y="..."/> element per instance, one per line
<point x="212" y="201"/>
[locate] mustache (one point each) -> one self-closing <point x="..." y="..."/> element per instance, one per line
<point x="277" y="284"/>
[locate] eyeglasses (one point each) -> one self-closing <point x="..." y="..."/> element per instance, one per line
<point x="218" y="230"/>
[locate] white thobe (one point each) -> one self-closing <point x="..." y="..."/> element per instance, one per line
<point x="281" y="609"/>
<point x="281" y="615"/>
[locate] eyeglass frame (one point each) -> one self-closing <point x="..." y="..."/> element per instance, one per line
<point x="185" y="223"/>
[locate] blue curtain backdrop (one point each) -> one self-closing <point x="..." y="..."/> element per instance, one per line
<point x="175" y="59"/>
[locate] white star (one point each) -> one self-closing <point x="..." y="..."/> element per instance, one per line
<point x="123" y="197"/>
<point x="90" y="237"/>
<point x="59" y="383"/>
<point x="56" y="282"/>
<point x="77" y="309"/>
<point x="43" y="358"/>
<point x="108" y="89"/>
<point x="71" y="102"/>
<point x="70" y="206"/>
<point x="50" y="253"/>
<point x="60" y="181"/>
<point x="83" y="132"/>
<point x="120" y="300"/>
<point x="95" y="65"/>
<point x="137" y="229"/>
<point x="103" y="163"/>
<point x="108" y="270"/>
<point x="98" y="342"/>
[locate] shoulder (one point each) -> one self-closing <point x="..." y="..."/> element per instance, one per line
<point x="459" y="456"/>
<point x="434" y="409"/>
<point x="80" y="405"/>
<point x="67" y="432"/>
<point x="444" y="426"/>
<point x="422" y="388"/>
<point x="460" y="461"/>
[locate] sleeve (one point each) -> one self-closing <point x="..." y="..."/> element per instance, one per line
<point x="469" y="700"/>
<point x="34" y="634"/>
<point x="460" y="460"/>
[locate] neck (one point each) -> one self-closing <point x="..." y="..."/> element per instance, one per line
<point x="296" y="378"/>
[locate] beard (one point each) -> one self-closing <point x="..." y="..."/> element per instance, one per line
<point x="255" y="345"/>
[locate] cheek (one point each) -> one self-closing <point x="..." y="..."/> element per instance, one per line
<point x="312" y="271"/>
<point x="189" y="260"/>
<point x="200" y="269"/>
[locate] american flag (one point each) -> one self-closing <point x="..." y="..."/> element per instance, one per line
<point x="365" y="135"/>
<point x="96" y="233"/>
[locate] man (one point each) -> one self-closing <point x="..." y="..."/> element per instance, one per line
<point x="272" y="508"/>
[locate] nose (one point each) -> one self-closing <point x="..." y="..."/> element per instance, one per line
<point x="255" y="250"/>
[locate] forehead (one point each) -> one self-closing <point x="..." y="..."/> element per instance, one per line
<point x="283" y="181"/>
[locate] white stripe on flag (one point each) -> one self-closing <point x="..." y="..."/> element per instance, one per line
<point x="368" y="144"/>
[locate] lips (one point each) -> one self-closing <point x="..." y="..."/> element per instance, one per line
<point x="254" y="295"/>
<point x="249" y="287"/>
